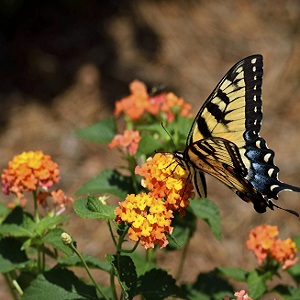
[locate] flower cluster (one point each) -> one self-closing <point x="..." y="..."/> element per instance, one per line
<point x="59" y="200"/>
<point x="262" y="241"/>
<point x="149" y="218"/>
<point x="149" y="215"/>
<point x="34" y="171"/>
<point x="27" y="172"/>
<point x="164" y="178"/>
<point x="128" y="141"/>
<point x="139" y="102"/>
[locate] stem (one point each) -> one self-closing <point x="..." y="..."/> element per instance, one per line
<point x="112" y="284"/>
<point x="88" y="271"/>
<point x="36" y="211"/>
<point x="111" y="233"/>
<point x="10" y="286"/>
<point x="182" y="260"/>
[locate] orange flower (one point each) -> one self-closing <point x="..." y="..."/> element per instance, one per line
<point x="139" y="101"/>
<point x="262" y="241"/>
<point x="149" y="218"/>
<point x="129" y="140"/>
<point x="284" y="252"/>
<point x="59" y="203"/>
<point x="164" y="178"/>
<point x="135" y="104"/>
<point x="28" y="171"/>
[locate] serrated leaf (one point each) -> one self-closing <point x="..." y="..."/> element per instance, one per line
<point x="15" y="230"/>
<point x="256" y="284"/>
<point x="125" y="271"/>
<point x="53" y="238"/>
<point x="59" y="284"/>
<point x="92" y="262"/>
<point x="108" y="181"/>
<point x="158" y="284"/>
<point x="101" y="132"/>
<point x="209" y="212"/>
<point x="88" y="208"/>
<point x="234" y="273"/>
<point x="141" y="262"/>
<point x="49" y="222"/>
<point x="11" y="255"/>
<point x="147" y="145"/>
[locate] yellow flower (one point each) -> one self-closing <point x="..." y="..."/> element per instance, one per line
<point x="148" y="217"/>
<point x="27" y="172"/>
<point x="164" y="178"/>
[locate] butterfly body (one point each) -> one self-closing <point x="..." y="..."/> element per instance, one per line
<point x="224" y="140"/>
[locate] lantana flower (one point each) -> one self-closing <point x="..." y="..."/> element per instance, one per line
<point x="59" y="200"/>
<point x="149" y="218"/>
<point x="34" y="171"/>
<point x="27" y="172"/>
<point x="164" y="178"/>
<point x="139" y="102"/>
<point x="128" y="141"/>
<point x="263" y="242"/>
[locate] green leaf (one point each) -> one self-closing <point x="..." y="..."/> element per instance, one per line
<point x="4" y="211"/>
<point x="208" y="286"/>
<point x="256" y="284"/>
<point x="147" y="145"/>
<point x="11" y="255"/>
<point x="158" y="284"/>
<point x="49" y="222"/>
<point x="294" y="271"/>
<point x="15" y="230"/>
<point x="108" y="181"/>
<point x="92" y="262"/>
<point x="141" y="262"/>
<point x="184" y="228"/>
<point x="101" y="132"/>
<point x="93" y="208"/>
<point x="59" y="283"/>
<point x="126" y="273"/>
<point x="53" y="239"/>
<point x="234" y="273"/>
<point x="209" y="212"/>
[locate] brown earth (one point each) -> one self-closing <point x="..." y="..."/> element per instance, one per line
<point x="62" y="66"/>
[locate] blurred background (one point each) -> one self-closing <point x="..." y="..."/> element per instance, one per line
<point x="63" y="64"/>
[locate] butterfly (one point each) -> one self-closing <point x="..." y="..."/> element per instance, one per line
<point x="224" y="140"/>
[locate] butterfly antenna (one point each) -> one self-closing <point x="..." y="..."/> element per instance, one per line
<point x="168" y="133"/>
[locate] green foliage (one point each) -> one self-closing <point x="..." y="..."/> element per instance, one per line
<point x="101" y="132"/>
<point x="110" y="182"/>
<point x="209" y="212"/>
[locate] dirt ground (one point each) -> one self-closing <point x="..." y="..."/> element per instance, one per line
<point x="63" y="64"/>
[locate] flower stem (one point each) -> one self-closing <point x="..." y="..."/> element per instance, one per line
<point x="88" y="271"/>
<point x="182" y="260"/>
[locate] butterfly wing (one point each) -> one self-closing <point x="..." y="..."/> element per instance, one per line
<point x="233" y="112"/>
<point x="221" y="159"/>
